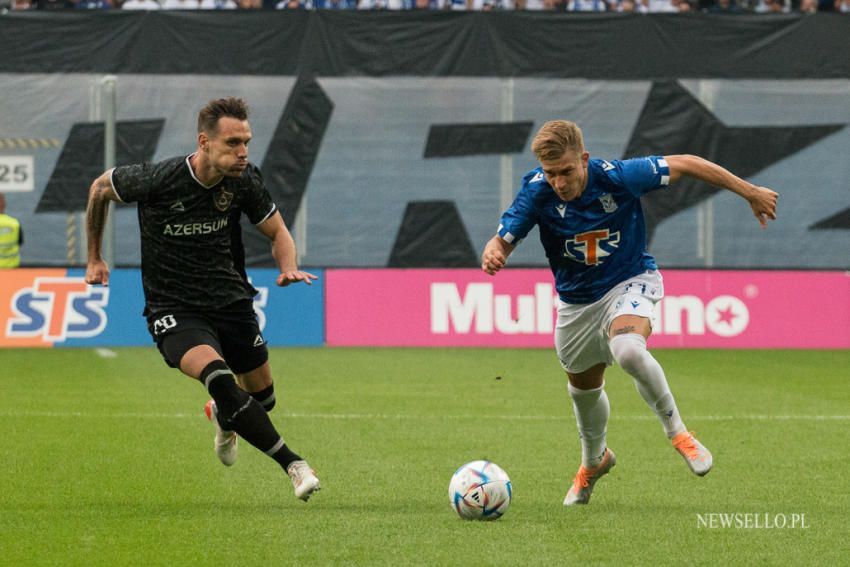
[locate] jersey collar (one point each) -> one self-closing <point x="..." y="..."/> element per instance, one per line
<point x="192" y="173"/>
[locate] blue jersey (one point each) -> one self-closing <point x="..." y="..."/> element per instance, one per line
<point x="597" y="240"/>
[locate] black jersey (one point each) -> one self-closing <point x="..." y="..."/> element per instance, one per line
<point x="187" y="232"/>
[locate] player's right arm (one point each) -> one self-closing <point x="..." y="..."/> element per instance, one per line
<point x="100" y="193"/>
<point x="515" y="223"/>
<point x="495" y="254"/>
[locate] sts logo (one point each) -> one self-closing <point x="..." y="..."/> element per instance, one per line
<point x="58" y="308"/>
<point x="591" y="247"/>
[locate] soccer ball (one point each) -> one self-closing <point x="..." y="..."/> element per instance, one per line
<point x="480" y="490"/>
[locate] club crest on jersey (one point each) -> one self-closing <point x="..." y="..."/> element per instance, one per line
<point x="222" y="199"/>
<point x="591" y="247"/>
<point x="609" y="205"/>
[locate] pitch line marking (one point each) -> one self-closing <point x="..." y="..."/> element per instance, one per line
<point x="385" y="416"/>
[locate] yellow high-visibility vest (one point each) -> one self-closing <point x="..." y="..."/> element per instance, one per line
<point x="10" y="236"/>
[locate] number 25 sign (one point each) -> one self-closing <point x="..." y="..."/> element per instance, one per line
<point x="16" y="173"/>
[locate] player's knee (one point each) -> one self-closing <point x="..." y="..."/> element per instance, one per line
<point x="629" y="350"/>
<point x="229" y="398"/>
<point x="266" y="397"/>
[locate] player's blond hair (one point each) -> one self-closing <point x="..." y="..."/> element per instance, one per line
<point x="218" y="108"/>
<point x="555" y="138"/>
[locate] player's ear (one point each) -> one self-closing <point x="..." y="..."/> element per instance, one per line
<point x="585" y="158"/>
<point x="203" y="141"/>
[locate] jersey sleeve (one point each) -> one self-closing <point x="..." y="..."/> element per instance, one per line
<point x="520" y="217"/>
<point x="132" y="182"/>
<point x="641" y="175"/>
<point x="258" y="205"/>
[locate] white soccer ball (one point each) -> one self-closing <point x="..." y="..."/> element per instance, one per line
<point x="480" y="490"/>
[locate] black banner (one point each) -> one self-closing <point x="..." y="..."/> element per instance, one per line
<point x="373" y="43"/>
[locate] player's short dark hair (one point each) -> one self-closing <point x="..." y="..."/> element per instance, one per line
<point x="216" y="109"/>
<point x="555" y="138"/>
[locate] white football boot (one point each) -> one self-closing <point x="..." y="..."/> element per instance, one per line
<point x="226" y="446"/>
<point x="303" y="478"/>
<point x="583" y="483"/>
<point x="694" y="452"/>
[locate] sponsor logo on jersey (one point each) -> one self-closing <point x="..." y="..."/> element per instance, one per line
<point x="609" y="205"/>
<point x="58" y="308"/>
<point x="591" y="247"/>
<point x="192" y="228"/>
<point x="538" y="177"/>
<point x="562" y="209"/>
<point x="606" y="166"/>
<point x="178" y="206"/>
<point x="222" y="199"/>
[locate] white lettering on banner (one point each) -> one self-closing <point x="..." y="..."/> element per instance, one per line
<point x="725" y="315"/>
<point x="476" y="304"/>
<point x="260" y="301"/>
<point x="672" y="308"/>
<point x="451" y="311"/>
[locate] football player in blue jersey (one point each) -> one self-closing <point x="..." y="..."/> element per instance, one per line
<point x="592" y="228"/>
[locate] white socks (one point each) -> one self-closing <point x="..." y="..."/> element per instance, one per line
<point x="592" y="411"/>
<point x="592" y="408"/>
<point x="630" y="352"/>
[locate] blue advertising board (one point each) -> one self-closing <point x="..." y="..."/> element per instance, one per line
<point x="57" y="308"/>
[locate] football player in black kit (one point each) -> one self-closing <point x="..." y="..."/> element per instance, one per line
<point x="198" y="302"/>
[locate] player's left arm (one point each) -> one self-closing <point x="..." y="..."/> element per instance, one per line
<point x="283" y="251"/>
<point x="762" y="199"/>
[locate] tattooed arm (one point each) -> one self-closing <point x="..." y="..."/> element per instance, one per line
<point x="101" y="192"/>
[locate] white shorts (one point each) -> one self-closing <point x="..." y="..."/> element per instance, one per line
<point x="581" y="333"/>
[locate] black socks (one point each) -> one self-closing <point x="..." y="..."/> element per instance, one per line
<point x="240" y="412"/>
<point x="266" y="397"/>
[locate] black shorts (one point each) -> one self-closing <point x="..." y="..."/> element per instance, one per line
<point x="235" y="336"/>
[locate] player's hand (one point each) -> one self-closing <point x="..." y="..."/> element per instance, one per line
<point x="97" y="272"/>
<point x="294" y="276"/>
<point x="493" y="260"/>
<point x="763" y="204"/>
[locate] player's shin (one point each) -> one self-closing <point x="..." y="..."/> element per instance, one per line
<point x="630" y="352"/>
<point x="239" y="412"/>
<point x="592" y="412"/>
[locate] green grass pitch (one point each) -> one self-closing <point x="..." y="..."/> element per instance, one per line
<point x="108" y="460"/>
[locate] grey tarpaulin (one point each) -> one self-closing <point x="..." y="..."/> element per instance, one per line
<point x="765" y="95"/>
